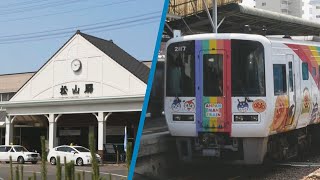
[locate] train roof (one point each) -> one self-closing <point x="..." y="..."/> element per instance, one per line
<point x="302" y="40"/>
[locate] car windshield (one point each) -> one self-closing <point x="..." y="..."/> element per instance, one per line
<point x="82" y="149"/>
<point x="20" y="149"/>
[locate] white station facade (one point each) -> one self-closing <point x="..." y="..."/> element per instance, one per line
<point x="89" y="85"/>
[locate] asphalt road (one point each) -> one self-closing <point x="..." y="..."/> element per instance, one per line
<point x="118" y="172"/>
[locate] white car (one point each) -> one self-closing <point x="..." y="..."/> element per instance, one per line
<point x="78" y="154"/>
<point x="18" y="153"/>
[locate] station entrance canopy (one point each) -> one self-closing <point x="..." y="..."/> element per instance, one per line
<point x="237" y="16"/>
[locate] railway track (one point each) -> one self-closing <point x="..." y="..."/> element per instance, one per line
<point x="303" y="169"/>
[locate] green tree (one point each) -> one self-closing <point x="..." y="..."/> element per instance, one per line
<point x="83" y="175"/>
<point x="34" y="176"/>
<point x="78" y="176"/>
<point x="43" y="159"/>
<point x="129" y="154"/>
<point x="17" y="173"/>
<point x="11" y="169"/>
<point x="58" y="169"/>
<point x="94" y="162"/>
<point x="21" y="172"/>
<point x="65" y="168"/>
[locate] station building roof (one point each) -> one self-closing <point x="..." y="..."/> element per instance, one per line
<point x="11" y="83"/>
<point x="236" y="16"/>
<point x="136" y="67"/>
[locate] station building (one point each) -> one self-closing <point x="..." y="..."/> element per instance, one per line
<point x="90" y="85"/>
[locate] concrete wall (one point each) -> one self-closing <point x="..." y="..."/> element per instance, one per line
<point x="157" y="157"/>
<point x="289" y="7"/>
<point x="271" y="5"/>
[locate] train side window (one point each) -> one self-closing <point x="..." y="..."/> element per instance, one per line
<point x="279" y="79"/>
<point x="305" y="72"/>
<point x="290" y="77"/>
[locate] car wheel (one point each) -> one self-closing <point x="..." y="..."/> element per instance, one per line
<point x="7" y="162"/>
<point x="79" y="161"/>
<point x="53" y="161"/>
<point x="20" y="160"/>
<point x="34" y="162"/>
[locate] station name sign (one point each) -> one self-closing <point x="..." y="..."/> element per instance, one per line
<point x="76" y="90"/>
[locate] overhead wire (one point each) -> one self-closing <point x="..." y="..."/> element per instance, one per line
<point x="68" y="34"/>
<point x="80" y="26"/>
<point x="17" y="4"/>
<point x="94" y="27"/>
<point x="43" y="6"/>
<point x="69" y="11"/>
<point x="88" y="28"/>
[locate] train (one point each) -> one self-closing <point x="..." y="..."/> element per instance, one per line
<point x="244" y="98"/>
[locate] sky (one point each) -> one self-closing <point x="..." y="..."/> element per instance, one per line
<point x="33" y="30"/>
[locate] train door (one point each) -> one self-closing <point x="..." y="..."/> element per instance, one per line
<point x="291" y="89"/>
<point x="305" y="95"/>
<point x="213" y="90"/>
<point x="314" y="93"/>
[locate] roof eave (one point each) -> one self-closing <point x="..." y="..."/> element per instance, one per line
<point x="87" y="101"/>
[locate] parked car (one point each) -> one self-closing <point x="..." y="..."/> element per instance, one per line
<point x="18" y="153"/>
<point x="80" y="155"/>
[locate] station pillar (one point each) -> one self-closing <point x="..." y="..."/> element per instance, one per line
<point x="52" y="131"/>
<point x="9" y="130"/>
<point x="101" y="133"/>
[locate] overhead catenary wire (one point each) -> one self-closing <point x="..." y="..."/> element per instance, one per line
<point x="69" y="30"/>
<point x="39" y="7"/>
<point x="80" y="26"/>
<point x="69" y="11"/>
<point x="68" y="34"/>
<point x="17" y="4"/>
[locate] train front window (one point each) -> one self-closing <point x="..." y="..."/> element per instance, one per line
<point x="180" y="76"/>
<point x="248" y="72"/>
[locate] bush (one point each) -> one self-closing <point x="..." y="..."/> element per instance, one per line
<point x="94" y="162"/>
<point x="43" y="159"/>
<point x="129" y="154"/>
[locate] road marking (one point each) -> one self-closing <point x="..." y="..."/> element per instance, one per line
<point x="105" y="173"/>
<point x="7" y="166"/>
<point x="32" y="172"/>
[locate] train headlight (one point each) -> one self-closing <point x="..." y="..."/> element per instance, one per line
<point x="179" y="117"/>
<point x="246" y="118"/>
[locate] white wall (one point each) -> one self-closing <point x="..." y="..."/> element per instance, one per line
<point x="108" y="77"/>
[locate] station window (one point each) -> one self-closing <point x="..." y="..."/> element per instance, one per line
<point x="317" y="7"/>
<point x="264" y="4"/>
<point x="279" y="79"/>
<point x="6" y="96"/>
<point x="305" y="72"/>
